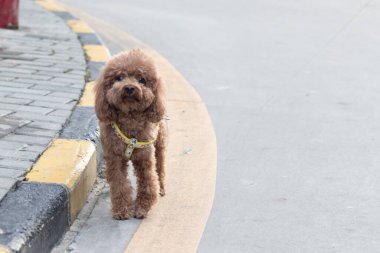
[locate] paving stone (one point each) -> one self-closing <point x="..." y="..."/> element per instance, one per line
<point x="65" y="95"/>
<point x="51" y="73"/>
<point x="64" y="76"/>
<point x="66" y="89"/>
<point x="49" y="57"/>
<point x="15" y="83"/>
<point x="15" y="164"/>
<point x="54" y="84"/>
<point x="22" y="90"/>
<point x="4" y="94"/>
<point x="14" y="122"/>
<point x="32" y="63"/>
<point x="23" y="75"/>
<point x="61" y="112"/>
<point x="24" y="108"/>
<point x="71" y="79"/>
<point x="16" y="57"/>
<point x="46" y="98"/>
<point x="10" y="145"/>
<point x="9" y="65"/>
<point x="27" y="139"/>
<point x="19" y="101"/>
<point x="33" y="148"/>
<point x="28" y="81"/>
<point x="77" y="72"/>
<point x="11" y="173"/>
<point x="4" y="127"/>
<point x="67" y="106"/>
<point x="6" y="183"/>
<point x="45" y="125"/>
<point x="19" y="155"/>
<point x="6" y="78"/>
<point x="5" y="112"/>
<point x="42" y="82"/>
<point x="68" y="64"/>
<point x="36" y="131"/>
<point x="17" y="70"/>
<point x="38" y="117"/>
<point x="4" y="133"/>
<point x="40" y="68"/>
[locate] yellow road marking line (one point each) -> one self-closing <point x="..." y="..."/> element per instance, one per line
<point x="79" y="26"/>
<point x="71" y="163"/>
<point x="96" y="53"/>
<point x="51" y="5"/>
<point x="88" y="96"/>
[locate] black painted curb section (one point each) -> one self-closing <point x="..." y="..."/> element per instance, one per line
<point x="95" y="69"/>
<point x="34" y="217"/>
<point x="89" y="39"/>
<point x="64" y="15"/>
<point x="83" y="125"/>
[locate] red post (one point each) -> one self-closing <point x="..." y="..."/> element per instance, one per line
<point x="9" y="14"/>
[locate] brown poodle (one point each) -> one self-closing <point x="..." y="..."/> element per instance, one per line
<point x="130" y="106"/>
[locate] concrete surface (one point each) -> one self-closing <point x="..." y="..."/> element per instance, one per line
<point x="292" y="88"/>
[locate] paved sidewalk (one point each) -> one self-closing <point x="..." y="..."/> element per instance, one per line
<point x="42" y="69"/>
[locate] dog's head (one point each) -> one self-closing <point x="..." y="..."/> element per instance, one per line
<point x="129" y="84"/>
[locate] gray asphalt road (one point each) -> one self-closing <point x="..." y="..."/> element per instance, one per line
<point x="293" y="91"/>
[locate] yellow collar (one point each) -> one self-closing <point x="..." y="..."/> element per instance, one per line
<point x="131" y="142"/>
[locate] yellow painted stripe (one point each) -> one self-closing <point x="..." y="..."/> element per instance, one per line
<point x="97" y="53"/>
<point x="71" y="163"/>
<point x="4" y="249"/>
<point x="88" y="96"/>
<point x="51" y="5"/>
<point x="79" y="26"/>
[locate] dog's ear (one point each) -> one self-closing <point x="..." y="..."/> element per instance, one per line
<point x="156" y="111"/>
<point x="103" y="109"/>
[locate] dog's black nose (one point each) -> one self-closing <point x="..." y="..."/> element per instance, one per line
<point x="129" y="90"/>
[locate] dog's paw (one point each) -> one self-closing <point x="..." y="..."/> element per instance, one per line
<point x="122" y="215"/>
<point x="162" y="192"/>
<point x="140" y="213"/>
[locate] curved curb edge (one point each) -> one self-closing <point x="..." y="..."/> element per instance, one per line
<point x="57" y="186"/>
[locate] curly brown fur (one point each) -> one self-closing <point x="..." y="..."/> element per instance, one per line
<point x="130" y="93"/>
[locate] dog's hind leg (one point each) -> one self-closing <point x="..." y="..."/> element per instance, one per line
<point x="161" y="157"/>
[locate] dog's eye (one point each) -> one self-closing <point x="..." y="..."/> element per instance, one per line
<point x="119" y="78"/>
<point x="141" y="80"/>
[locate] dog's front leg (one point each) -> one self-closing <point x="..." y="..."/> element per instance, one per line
<point x="120" y="188"/>
<point x="147" y="181"/>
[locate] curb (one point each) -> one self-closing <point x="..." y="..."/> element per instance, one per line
<point x="44" y="206"/>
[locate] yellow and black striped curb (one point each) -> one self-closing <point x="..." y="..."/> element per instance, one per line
<point x="44" y="206"/>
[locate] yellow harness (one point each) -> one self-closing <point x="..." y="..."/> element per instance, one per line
<point x="132" y="143"/>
